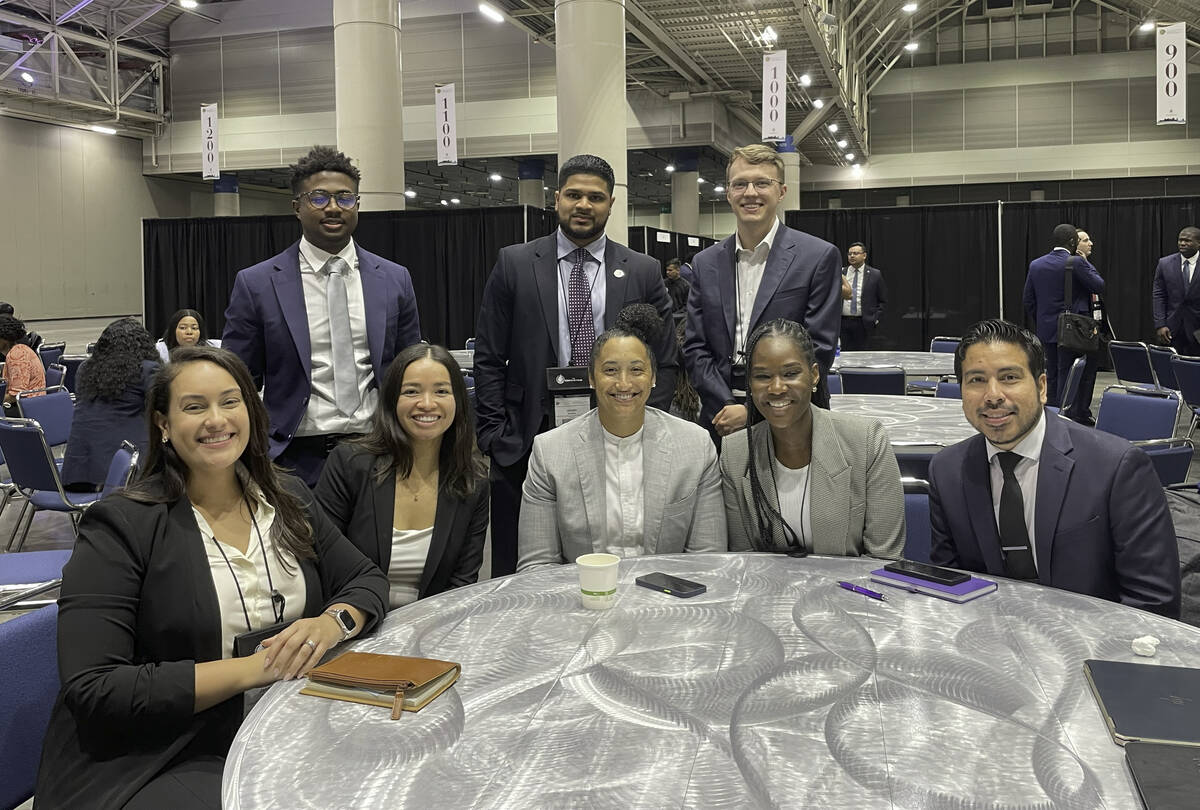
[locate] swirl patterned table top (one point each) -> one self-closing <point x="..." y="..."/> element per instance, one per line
<point x="910" y="420"/>
<point x="776" y="688"/>
<point x="916" y="364"/>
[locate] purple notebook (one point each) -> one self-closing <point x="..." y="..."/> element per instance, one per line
<point x="973" y="588"/>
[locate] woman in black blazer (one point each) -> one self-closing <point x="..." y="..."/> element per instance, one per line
<point x="212" y="542"/>
<point x="411" y="494"/>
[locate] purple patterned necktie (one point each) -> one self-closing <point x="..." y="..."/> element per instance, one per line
<point x="579" y="311"/>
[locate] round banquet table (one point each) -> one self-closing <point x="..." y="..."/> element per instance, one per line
<point x="776" y="688"/>
<point x="916" y="364"/>
<point x="910" y="420"/>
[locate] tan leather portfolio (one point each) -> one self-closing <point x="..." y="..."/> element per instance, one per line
<point x="382" y="680"/>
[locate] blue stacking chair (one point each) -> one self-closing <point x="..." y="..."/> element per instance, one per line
<point x="55" y="374"/>
<point x="939" y="345"/>
<point x="29" y="672"/>
<point x="54" y="411"/>
<point x="945" y="345"/>
<point x="835" y="383"/>
<point x="1160" y="359"/>
<point x="71" y="362"/>
<point x="1132" y="364"/>
<point x="1172" y="458"/>
<point x="1136" y="414"/>
<point x="1071" y="385"/>
<point x="50" y="352"/>
<point x="872" y="380"/>
<point x="1187" y="376"/>
<point x="918" y="534"/>
<point x="41" y="570"/>
<point x="948" y="390"/>
<point x="470" y="346"/>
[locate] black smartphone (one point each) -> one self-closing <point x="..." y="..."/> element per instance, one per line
<point x="942" y="576"/>
<point x="683" y="588"/>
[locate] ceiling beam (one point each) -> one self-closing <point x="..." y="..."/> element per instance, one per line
<point x="833" y="76"/>
<point x="71" y="12"/>
<point x="65" y="34"/>
<point x="21" y="59"/>
<point x="147" y="14"/>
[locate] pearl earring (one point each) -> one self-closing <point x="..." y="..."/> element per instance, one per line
<point x="164" y="439"/>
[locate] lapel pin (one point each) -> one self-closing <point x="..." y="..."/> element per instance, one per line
<point x="618" y="273"/>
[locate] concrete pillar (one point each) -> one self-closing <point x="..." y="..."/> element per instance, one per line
<point x="370" y="108"/>
<point x="590" y="70"/>
<point x="791" y="174"/>
<point x="685" y="192"/>
<point x="531" y="184"/>
<point x="226" y="200"/>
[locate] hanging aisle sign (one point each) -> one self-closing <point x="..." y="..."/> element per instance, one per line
<point x="210" y="152"/>
<point x="1171" y="77"/>
<point x="774" y="104"/>
<point x="447" y="129"/>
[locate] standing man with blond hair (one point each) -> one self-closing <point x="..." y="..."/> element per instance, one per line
<point x="764" y="271"/>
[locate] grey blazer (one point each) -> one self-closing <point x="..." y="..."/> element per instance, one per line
<point x="563" y="509"/>
<point x="855" y="493"/>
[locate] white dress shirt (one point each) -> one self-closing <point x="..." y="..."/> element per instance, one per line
<point x="624" y="499"/>
<point x="1026" y="471"/>
<point x="750" y="267"/>
<point x="791" y="487"/>
<point x="855" y="290"/>
<point x="593" y="268"/>
<point x="322" y="414"/>
<point x="250" y="570"/>
<point x="410" y="549"/>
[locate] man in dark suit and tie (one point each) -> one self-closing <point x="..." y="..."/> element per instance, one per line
<point x="868" y="296"/>
<point x="1043" y="299"/>
<point x="1177" y="295"/>
<point x="1040" y="498"/>
<point x="763" y="271"/>
<point x="318" y="324"/>
<point x="544" y="304"/>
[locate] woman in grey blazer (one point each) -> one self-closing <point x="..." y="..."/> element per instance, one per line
<point x="802" y="479"/>
<point x="622" y="478"/>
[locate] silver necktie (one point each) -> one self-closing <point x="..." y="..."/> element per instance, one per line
<point x="345" y="378"/>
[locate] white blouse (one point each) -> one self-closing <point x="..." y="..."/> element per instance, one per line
<point x="624" y="498"/>
<point x="794" y="501"/>
<point x="410" y="548"/>
<point x="249" y="572"/>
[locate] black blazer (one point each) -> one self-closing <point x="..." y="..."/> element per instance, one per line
<point x="872" y="297"/>
<point x="137" y="611"/>
<point x="516" y="338"/>
<point x="361" y="506"/>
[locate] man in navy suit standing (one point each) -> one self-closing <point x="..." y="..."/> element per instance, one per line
<point x="544" y="304"/>
<point x="868" y="296"/>
<point x="1037" y="497"/>
<point x="1177" y="295"/>
<point x="1043" y="301"/>
<point x="318" y="324"/>
<point x="765" y="270"/>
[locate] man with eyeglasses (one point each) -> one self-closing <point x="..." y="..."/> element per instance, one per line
<point x="319" y="323"/>
<point x="863" y="307"/>
<point x="763" y="271"/>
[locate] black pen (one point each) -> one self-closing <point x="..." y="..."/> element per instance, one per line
<point x="850" y="586"/>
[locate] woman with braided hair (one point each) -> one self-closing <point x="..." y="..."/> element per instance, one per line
<point x="805" y="480"/>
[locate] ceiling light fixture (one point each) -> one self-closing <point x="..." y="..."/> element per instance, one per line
<point x="805" y="80"/>
<point x="26" y="77"/>
<point x="818" y="103"/>
<point x="719" y="189"/>
<point x="188" y="3"/>
<point x="103" y="130"/>
<point x="910" y="47"/>
<point x="455" y="200"/>
<point x="700" y="180"/>
<point x="670" y="167"/>
<point x="490" y="12"/>
<point x="494" y="177"/>
<point x="857" y="169"/>
<point x="1148" y="25"/>
<point x="408" y="192"/>
<point x="909" y="7"/>
<point x="849" y="156"/>
<point x="769" y="35"/>
<point x="832" y="127"/>
<point x="842" y="143"/>
<point x="443" y="202"/>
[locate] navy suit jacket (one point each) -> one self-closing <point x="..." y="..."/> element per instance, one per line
<point x="1101" y="526"/>
<point x="266" y="324"/>
<point x="1176" y="305"/>
<point x="801" y="282"/>
<point x="873" y="298"/>
<point x="1043" y="296"/>
<point x="516" y="338"/>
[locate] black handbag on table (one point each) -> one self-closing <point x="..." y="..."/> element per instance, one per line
<point x="1076" y="333"/>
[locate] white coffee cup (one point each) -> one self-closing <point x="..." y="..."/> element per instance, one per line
<point x="598" y="580"/>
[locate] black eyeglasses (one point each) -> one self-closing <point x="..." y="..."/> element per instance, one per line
<point x="762" y="184"/>
<point x="319" y="199"/>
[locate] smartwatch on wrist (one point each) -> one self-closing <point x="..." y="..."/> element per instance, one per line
<point x="345" y="621"/>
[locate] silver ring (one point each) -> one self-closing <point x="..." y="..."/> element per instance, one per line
<point x="312" y="644"/>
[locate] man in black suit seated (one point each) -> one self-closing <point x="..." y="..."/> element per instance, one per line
<point x="543" y="306"/>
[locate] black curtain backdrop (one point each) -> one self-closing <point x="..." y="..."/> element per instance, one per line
<point x="191" y="263"/>
<point x="645" y="239"/>
<point x="939" y="263"/>
<point x="1129" y="235"/>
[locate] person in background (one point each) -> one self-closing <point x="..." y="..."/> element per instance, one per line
<point x="1039" y="498"/>
<point x="32" y="339"/>
<point x="622" y="478"/>
<point x="412" y="494"/>
<point x="212" y="542"/>
<point x="23" y="369"/>
<point x="110" y="403"/>
<point x="185" y="328"/>
<point x="862" y="309"/>
<point x="677" y="288"/>
<point x="805" y="480"/>
<point x="1177" y="295"/>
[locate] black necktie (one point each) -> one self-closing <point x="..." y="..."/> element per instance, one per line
<point x="1014" y="535"/>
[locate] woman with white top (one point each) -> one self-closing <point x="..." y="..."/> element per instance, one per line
<point x="210" y="544"/>
<point x="184" y="328"/>
<point x="801" y="479"/>
<point x="412" y="493"/>
<point x="622" y="478"/>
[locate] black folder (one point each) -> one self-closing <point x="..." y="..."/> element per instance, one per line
<point x="1147" y="702"/>
<point x="1167" y="776"/>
